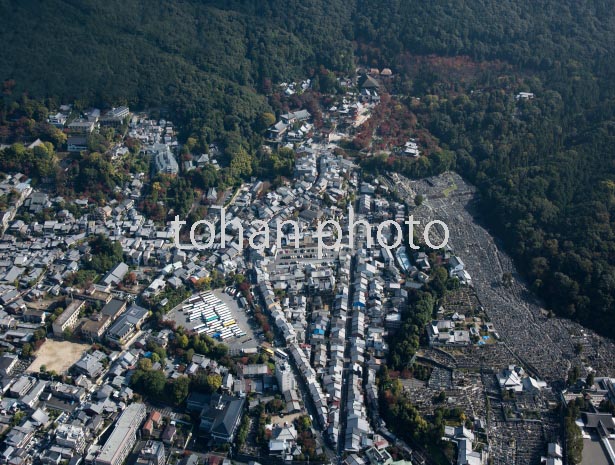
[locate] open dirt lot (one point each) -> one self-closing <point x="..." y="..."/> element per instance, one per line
<point x="58" y="356"/>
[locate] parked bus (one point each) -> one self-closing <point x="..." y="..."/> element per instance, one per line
<point x="268" y="351"/>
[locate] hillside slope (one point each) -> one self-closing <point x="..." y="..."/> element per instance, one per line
<point x="546" y="170"/>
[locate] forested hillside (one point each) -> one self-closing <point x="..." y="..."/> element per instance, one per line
<point x="201" y="61"/>
<point x="545" y="168"/>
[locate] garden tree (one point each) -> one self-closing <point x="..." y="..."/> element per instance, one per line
<point x="590" y="379"/>
<point x="219" y="351"/>
<point x="190" y="143"/>
<point x="98" y="143"/>
<point x="573" y="374"/>
<point x="438" y="281"/>
<point x="92" y="173"/>
<point x="264" y="121"/>
<point x="157" y="349"/>
<point x="240" y="164"/>
<point x="39" y="334"/>
<point x="280" y="162"/>
<point x="275" y="405"/>
<point x="104" y="254"/>
<point x="206" y="177"/>
<point x="39" y="162"/>
<point x="18" y="417"/>
<point x="144" y="364"/>
<point x="150" y="383"/>
<point x="180" y="196"/>
<point x="26" y="350"/>
<point x="244" y="430"/>
<point x="155" y="358"/>
<point x="303" y="423"/>
<point x="217" y="279"/>
<point x="239" y="278"/>
<point x="418" y="313"/>
<point x="180" y="390"/>
<point x="325" y="82"/>
<point x="131" y="278"/>
<point x="176" y="193"/>
<point x="182" y="341"/>
<point x="56" y="313"/>
<point x="574" y="436"/>
<point x="206" y="383"/>
<point x="56" y="137"/>
<point x="507" y="279"/>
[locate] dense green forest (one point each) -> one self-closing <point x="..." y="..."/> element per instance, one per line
<point x="200" y="60"/>
<point x="545" y="168"/>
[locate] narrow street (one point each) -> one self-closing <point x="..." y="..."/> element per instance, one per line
<point x="347" y="348"/>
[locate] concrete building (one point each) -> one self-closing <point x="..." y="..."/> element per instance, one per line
<point x="285" y="377"/>
<point x="7" y="364"/>
<point x="115" y="116"/>
<point x="163" y="159"/>
<point x="68" y="318"/>
<point x="126" y="326"/>
<point x="81" y="127"/>
<point x="95" y="327"/>
<point x="123" y="437"/>
<point x="71" y="436"/>
<point x="152" y="454"/>
<point x="221" y="417"/>
<point x="113" y="309"/>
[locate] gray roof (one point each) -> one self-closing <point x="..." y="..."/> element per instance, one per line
<point x="164" y="160"/>
<point x="70" y="311"/>
<point x="113" y="307"/>
<point x="125" y="429"/>
<point x="89" y="365"/>
<point x="116" y="274"/>
<point x="127" y="322"/>
<point x="227" y="418"/>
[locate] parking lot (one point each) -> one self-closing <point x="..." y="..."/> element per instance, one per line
<point x="243" y="321"/>
<point x="238" y="314"/>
